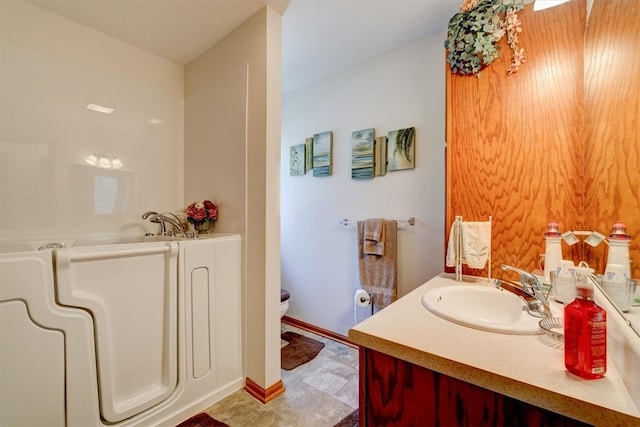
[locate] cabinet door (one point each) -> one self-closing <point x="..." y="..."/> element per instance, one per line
<point x="397" y="393"/>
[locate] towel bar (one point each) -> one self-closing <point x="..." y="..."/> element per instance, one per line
<point x="411" y="221"/>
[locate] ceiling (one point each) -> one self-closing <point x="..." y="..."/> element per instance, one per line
<point x="320" y="37"/>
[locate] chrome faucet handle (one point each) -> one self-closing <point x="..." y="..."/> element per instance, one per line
<point x="175" y="221"/>
<point x="178" y="221"/>
<point x="528" y="280"/>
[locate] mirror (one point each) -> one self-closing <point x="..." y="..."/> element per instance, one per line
<point x="611" y="131"/>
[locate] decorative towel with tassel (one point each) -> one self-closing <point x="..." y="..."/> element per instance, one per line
<point x="476" y="238"/>
<point x="379" y="273"/>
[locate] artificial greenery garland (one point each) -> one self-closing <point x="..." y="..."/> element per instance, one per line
<point x="474" y="32"/>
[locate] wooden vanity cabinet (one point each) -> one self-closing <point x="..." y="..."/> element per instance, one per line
<point x="394" y="392"/>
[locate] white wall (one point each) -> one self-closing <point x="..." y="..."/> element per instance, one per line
<point x="51" y="68"/>
<point x="402" y="88"/>
<point x="232" y="143"/>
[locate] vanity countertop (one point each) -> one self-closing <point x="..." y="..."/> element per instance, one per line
<point x="529" y="368"/>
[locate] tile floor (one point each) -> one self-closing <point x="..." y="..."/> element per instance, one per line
<point x="318" y="393"/>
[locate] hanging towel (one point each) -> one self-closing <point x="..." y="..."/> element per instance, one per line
<point x="378" y="273"/>
<point x="451" y="245"/>
<point x="374" y="236"/>
<point x="476" y="238"/>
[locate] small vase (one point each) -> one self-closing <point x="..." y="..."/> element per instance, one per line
<point x="203" y="226"/>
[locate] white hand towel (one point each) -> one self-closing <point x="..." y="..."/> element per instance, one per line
<point x="451" y="246"/>
<point x="476" y="238"/>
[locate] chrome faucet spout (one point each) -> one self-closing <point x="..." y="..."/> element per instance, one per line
<point x="532" y="303"/>
<point x="158" y="219"/>
<point x="531" y="287"/>
<point x="148" y="214"/>
<point x="512" y="287"/>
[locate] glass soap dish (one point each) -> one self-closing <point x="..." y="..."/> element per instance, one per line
<point x="553" y="327"/>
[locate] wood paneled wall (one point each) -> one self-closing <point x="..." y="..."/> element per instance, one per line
<point x="612" y="124"/>
<point x="515" y="143"/>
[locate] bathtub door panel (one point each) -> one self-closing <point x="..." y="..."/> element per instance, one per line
<point x="47" y="360"/>
<point x="131" y="293"/>
<point x="32" y="368"/>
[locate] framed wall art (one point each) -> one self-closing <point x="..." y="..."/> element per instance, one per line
<point x="322" y="154"/>
<point x="362" y="154"/>
<point x="401" y="149"/>
<point x="297" y="162"/>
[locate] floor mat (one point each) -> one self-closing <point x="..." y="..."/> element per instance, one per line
<point x="300" y="350"/>
<point x="350" y="420"/>
<point x="202" y="420"/>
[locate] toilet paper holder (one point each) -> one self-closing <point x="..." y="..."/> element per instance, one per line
<point x="361" y="298"/>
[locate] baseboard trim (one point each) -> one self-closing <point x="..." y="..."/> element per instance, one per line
<point x="319" y="331"/>
<point x="264" y="395"/>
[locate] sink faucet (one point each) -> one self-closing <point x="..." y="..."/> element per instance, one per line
<point x="530" y="289"/>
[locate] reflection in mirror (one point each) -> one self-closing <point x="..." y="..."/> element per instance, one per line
<point x="612" y="136"/>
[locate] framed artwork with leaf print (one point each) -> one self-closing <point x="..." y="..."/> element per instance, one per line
<point x="401" y="149"/>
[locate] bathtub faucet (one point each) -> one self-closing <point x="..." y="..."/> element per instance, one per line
<point x="148" y="214"/>
<point x="162" y="219"/>
<point x="176" y="222"/>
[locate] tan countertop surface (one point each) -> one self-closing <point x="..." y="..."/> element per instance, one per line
<point x="529" y="368"/>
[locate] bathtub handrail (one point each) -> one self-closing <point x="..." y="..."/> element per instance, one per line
<point x="92" y="256"/>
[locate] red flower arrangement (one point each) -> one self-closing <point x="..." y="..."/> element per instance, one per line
<point x="199" y="212"/>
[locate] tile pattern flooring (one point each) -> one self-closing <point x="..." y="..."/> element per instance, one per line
<point x="319" y="393"/>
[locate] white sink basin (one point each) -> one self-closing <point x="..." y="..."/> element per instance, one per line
<point x="482" y="307"/>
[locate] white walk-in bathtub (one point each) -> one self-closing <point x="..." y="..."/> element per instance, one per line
<point x="102" y="332"/>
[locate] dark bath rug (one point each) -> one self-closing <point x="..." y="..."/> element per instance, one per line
<point x="350" y="420"/>
<point x="202" y="420"/>
<point x="300" y="350"/>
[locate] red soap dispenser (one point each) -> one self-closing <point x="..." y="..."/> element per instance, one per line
<point x="585" y="334"/>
